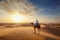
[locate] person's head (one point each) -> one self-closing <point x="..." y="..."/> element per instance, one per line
<point x="36" y="21"/>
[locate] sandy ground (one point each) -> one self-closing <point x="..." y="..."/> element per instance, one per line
<point x="20" y="33"/>
<point x="24" y="33"/>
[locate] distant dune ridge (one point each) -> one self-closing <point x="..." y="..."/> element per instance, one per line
<point x="28" y="24"/>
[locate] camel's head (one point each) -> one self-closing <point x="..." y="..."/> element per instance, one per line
<point x="32" y="23"/>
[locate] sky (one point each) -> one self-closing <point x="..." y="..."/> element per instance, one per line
<point x="46" y="11"/>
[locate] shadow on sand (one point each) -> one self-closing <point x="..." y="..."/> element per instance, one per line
<point x="45" y="37"/>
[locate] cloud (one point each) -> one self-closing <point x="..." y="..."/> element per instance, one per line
<point x="22" y="6"/>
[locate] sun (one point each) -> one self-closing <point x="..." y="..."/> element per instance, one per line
<point x="16" y="17"/>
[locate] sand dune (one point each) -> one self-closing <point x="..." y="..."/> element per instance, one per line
<point x="19" y="33"/>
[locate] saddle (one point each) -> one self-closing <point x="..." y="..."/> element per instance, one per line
<point x="37" y="26"/>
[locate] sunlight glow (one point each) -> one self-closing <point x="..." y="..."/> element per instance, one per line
<point x="17" y="17"/>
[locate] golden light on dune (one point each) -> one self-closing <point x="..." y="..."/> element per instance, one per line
<point x="16" y="17"/>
